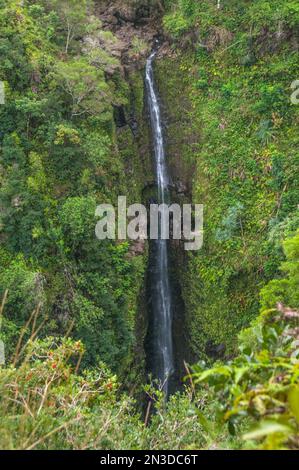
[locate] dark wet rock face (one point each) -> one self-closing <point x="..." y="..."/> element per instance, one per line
<point x="134" y="24"/>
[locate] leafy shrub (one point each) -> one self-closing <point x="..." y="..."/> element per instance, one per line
<point x="231" y="224"/>
<point x="45" y="404"/>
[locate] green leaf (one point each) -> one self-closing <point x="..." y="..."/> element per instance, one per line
<point x="266" y="428"/>
<point x="293" y="399"/>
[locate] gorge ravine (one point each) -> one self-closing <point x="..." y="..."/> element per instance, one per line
<point x="161" y="302"/>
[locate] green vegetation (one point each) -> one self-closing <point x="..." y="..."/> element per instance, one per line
<point x="71" y="318"/>
<point x="59" y="159"/>
<point x="241" y="136"/>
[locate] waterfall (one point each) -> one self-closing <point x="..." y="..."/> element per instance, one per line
<point x="161" y="299"/>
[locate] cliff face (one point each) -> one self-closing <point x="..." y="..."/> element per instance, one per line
<point x="232" y="137"/>
<point x="136" y="25"/>
<point x="133" y="32"/>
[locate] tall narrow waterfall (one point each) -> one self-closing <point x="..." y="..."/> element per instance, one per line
<point x="160" y="289"/>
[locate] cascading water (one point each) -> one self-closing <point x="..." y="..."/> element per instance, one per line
<point x="160" y="290"/>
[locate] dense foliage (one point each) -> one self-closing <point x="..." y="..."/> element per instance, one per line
<point x="241" y="137"/>
<point x="59" y="159"/>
